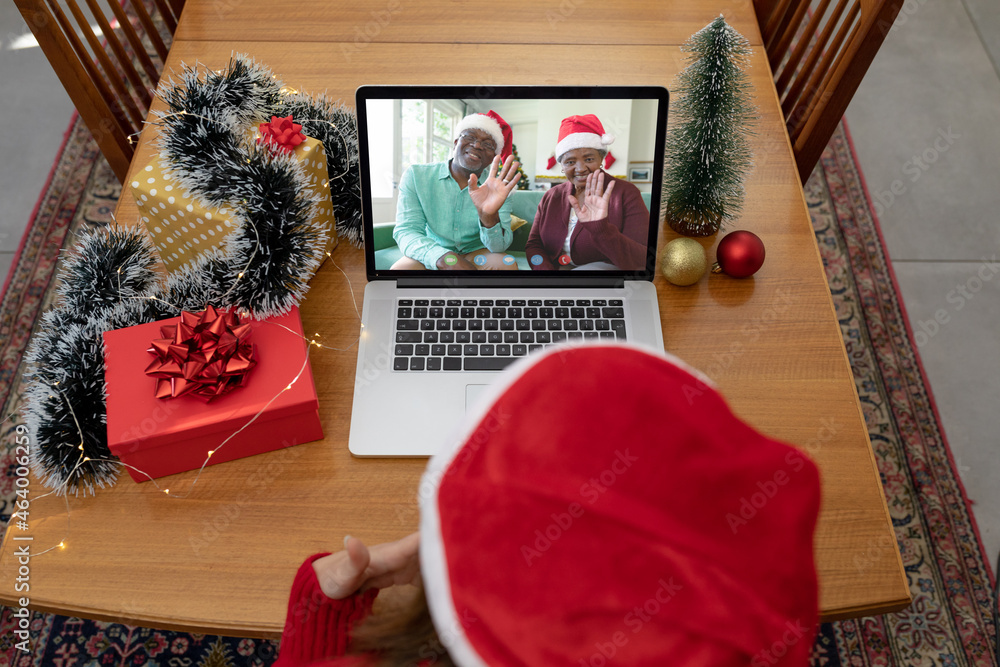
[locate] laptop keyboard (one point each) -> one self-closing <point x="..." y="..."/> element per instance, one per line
<point x="491" y="334"/>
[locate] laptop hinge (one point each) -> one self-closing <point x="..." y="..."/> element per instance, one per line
<point x="507" y="282"/>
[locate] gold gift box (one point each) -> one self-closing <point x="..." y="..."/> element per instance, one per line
<point x="183" y="227"/>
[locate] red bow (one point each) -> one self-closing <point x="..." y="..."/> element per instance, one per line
<point x="207" y="354"/>
<point x="281" y="134"/>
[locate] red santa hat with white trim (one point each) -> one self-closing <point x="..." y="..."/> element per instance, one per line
<point x="491" y="123"/>
<point x="604" y="505"/>
<point x="582" y="132"/>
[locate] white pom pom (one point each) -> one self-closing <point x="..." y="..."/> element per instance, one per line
<point x="607" y="139"/>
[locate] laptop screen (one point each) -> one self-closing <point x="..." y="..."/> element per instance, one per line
<point x="533" y="182"/>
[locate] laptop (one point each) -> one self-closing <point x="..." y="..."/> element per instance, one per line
<point x="433" y="339"/>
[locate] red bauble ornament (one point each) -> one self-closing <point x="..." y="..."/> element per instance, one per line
<point x="740" y="254"/>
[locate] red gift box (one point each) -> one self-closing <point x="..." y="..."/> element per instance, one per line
<point x="162" y="437"/>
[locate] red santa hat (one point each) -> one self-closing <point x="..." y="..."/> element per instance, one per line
<point x="491" y="123"/>
<point x="604" y="505"/>
<point x="582" y="132"/>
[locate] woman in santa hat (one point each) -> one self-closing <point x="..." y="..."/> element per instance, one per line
<point x="593" y="220"/>
<point x="589" y="513"/>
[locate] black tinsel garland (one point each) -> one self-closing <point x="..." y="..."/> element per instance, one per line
<point x="66" y="395"/>
<point x="105" y="283"/>
<point x="100" y="271"/>
<point x="108" y="281"/>
<point x="337" y="127"/>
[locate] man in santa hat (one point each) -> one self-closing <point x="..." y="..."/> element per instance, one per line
<point x="452" y="216"/>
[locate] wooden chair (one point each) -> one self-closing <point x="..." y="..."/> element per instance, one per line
<point x="111" y="83"/>
<point x="816" y="76"/>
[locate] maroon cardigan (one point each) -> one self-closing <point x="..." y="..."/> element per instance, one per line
<point x="618" y="239"/>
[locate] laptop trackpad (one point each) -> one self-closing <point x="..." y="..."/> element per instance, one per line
<point x="472" y="394"/>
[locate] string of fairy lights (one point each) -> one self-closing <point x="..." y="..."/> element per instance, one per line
<point x="83" y="458"/>
<point x="284" y="90"/>
<point x="311" y="342"/>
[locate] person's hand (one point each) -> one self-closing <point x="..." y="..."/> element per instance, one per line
<point x="490" y="195"/>
<point x="595" y="198"/>
<point x="460" y="263"/>
<point x="359" y="568"/>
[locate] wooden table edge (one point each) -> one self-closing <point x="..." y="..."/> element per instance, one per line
<point x="907" y="600"/>
<point x="172" y="624"/>
<point x="274" y="631"/>
<point x="848" y="613"/>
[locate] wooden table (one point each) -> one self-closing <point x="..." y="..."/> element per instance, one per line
<point x="222" y="559"/>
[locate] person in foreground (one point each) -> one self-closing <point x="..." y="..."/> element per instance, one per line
<point x="593" y="220"/>
<point x="448" y="216"/>
<point x="602" y="506"/>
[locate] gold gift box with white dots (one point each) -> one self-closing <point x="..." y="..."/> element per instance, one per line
<point x="183" y="227"/>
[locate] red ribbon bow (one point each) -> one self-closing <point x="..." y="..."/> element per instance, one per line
<point x="207" y="354"/>
<point x="281" y="134"/>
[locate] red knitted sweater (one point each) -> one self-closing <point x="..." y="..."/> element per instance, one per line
<point x="317" y="628"/>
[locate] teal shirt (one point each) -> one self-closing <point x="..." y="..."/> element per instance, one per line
<point x="434" y="217"/>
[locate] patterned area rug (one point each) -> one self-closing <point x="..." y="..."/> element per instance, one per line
<point x="951" y="620"/>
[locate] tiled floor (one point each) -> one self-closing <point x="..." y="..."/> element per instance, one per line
<point x="925" y="119"/>
<point x="926" y="127"/>
<point x="35" y="111"/>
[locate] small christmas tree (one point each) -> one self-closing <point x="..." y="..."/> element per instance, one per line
<point x="708" y="152"/>
<point x="523" y="183"/>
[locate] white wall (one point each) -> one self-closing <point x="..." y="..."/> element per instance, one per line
<point x="380" y="146"/>
<point x="526" y="140"/>
<point x="641" y="148"/>
<point x="535" y="125"/>
<point x="522" y="116"/>
<point x="380" y="155"/>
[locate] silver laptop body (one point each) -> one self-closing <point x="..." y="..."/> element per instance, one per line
<point x="404" y="407"/>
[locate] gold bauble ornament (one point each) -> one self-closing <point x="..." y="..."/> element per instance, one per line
<point x="683" y="262"/>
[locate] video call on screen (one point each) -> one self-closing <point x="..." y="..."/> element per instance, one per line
<point x="420" y="135"/>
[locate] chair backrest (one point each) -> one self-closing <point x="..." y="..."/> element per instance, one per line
<point x="109" y="67"/>
<point x="818" y="55"/>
